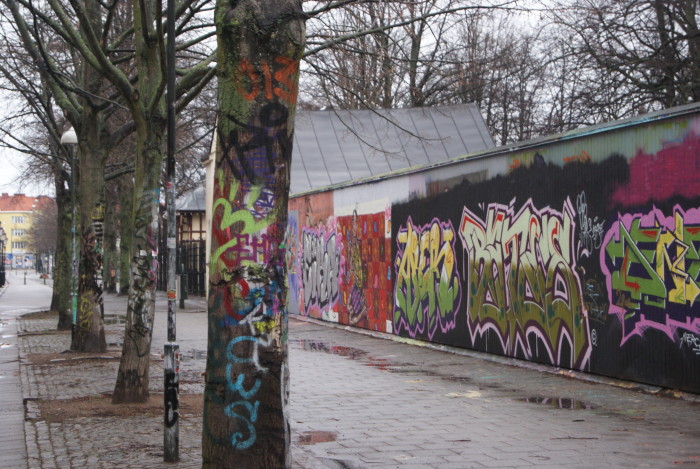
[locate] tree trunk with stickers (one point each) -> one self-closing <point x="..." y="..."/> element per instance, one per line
<point x="149" y="111"/>
<point x="260" y="45"/>
<point x="89" y="334"/>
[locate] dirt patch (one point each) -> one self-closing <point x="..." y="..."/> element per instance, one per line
<point x="72" y="358"/>
<point x="60" y="410"/>
<point x="41" y="315"/>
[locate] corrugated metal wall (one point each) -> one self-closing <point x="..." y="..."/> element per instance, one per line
<point x="578" y="251"/>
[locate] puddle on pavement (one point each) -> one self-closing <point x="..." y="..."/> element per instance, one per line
<point x="319" y="346"/>
<point x="381" y="364"/>
<point x="560" y="403"/>
<point x="347" y="352"/>
<point x="314" y="437"/>
<point x="110" y="319"/>
<point x="457" y="379"/>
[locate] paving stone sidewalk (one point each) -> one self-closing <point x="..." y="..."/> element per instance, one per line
<point x="359" y="401"/>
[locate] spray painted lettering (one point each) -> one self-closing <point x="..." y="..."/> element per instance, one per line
<point x="279" y="79"/>
<point x="582" y="157"/>
<point x="692" y="342"/>
<point x="171" y="392"/>
<point x="144" y="266"/>
<point x="523" y="281"/>
<point x="427" y="291"/>
<point x="239" y="227"/>
<point x="320" y="269"/>
<point x="652" y="268"/>
<point x="292" y="259"/>
<point x="243" y="360"/>
<point x="591" y="231"/>
<point x="253" y="152"/>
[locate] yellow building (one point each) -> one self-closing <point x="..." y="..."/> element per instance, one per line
<point x="16" y="219"/>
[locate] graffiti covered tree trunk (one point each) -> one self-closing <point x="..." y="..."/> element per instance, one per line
<point x="148" y="110"/>
<point x="245" y="417"/>
<point x="132" y="378"/>
<point x="126" y="233"/>
<point x="89" y="333"/>
<point x="60" y="300"/>
<point x="89" y="329"/>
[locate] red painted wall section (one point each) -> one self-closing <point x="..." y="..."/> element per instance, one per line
<point x="672" y="171"/>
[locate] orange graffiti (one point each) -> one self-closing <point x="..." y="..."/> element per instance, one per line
<point x="581" y="157"/>
<point x="279" y="79"/>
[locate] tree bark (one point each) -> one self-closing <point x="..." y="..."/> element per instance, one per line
<point x="246" y="391"/>
<point x="149" y="111"/>
<point x="132" y="378"/>
<point x="60" y="300"/>
<point x="126" y="231"/>
<point x="89" y="333"/>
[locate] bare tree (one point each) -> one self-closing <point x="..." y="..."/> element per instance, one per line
<point x="637" y="55"/>
<point x="132" y="64"/>
<point x="43" y="232"/>
<point x="34" y="129"/>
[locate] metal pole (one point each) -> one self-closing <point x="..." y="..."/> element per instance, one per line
<point x="74" y="248"/>
<point x="171" y="438"/>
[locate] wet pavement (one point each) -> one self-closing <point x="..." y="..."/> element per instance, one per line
<point x="360" y="400"/>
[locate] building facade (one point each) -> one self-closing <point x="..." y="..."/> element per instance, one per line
<point x="16" y="219"/>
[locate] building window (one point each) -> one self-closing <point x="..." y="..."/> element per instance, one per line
<point x="19" y="245"/>
<point x="17" y="232"/>
<point x="18" y="219"/>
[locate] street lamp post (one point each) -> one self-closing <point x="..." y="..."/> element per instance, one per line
<point x="171" y="436"/>
<point x="10" y="251"/>
<point x="3" y="241"/>
<point x="69" y="138"/>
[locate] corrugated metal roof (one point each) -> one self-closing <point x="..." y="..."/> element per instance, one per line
<point x="334" y="147"/>
<point x="331" y="147"/>
<point x="192" y="201"/>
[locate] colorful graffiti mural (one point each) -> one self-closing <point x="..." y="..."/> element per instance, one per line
<point x="292" y="259"/>
<point x="652" y="267"/>
<point x="427" y="292"/>
<point x="320" y="271"/>
<point x="522" y="280"/>
<point x="366" y="258"/>
<point x="581" y="253"/>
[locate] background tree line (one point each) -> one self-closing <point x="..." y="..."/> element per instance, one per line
<point x="533" y="68"/>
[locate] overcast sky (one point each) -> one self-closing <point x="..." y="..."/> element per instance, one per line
<point x="10" y="168"/>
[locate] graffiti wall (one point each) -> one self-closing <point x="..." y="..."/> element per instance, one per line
<point x="342" y="265"/>
<point x="579" y="252"/>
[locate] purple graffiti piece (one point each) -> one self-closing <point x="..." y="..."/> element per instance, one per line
<point x="356" y="306"/>
<point x="255" y="248"/>
<point x="672" y="262"/>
